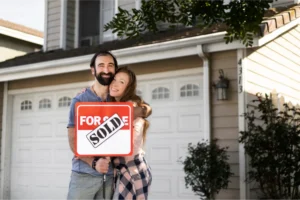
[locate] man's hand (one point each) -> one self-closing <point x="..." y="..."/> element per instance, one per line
<point x="102" y="165"/>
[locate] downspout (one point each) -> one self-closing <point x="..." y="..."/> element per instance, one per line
<point x="206" y="93"/>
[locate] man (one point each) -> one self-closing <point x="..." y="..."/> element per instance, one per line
<point x="87" y="172"/>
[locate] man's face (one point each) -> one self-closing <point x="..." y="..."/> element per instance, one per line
<point x="104" y="69"/>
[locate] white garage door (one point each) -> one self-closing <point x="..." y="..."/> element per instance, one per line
<point x="177" y="120"/>
<point x="41" y="159"/>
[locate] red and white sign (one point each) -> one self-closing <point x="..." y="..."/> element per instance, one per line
<point x="103" y="129"/>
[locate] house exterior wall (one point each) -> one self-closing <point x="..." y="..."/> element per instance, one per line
<point x="224" y="121"/>
<point x="11" y="47"/>
<point x="280" y="3"/>
<point x="224" y="113"/>
<point x="53" y="24"/>
<point x="275" y="68"/>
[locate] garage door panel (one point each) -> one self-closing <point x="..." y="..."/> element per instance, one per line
<point x="160" y="154"/>
<point x="24" y="129"/>
<point x="162" y="120"/>
<point x="43" y="155"/>
<point x="161" y="186"/>
<point x="61" y="127"/>
<point x="62" y="156"/>
<point x="44" y="128"/>
<point x="23" y="155"/>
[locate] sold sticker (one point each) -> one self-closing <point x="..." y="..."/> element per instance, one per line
<point x="103" y="129"/>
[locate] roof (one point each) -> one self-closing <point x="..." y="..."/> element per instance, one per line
<point x="273" y="20"/>
<point x="276" y="18"/>
<point x="21" y="28"/>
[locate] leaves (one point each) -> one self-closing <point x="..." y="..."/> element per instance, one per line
<point x="206" y="168"/>
<point x="272" y="141"/>
<point x="242" y="17"/>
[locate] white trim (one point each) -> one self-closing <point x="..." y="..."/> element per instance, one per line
<point x="101" y="28"/>
<point x="116" y="4"/>
<point x="242" y="96"/>
<point x="45" y="25"/>
<point x="138" y="4"/>
<point x="21" y="35"/>
<point x="206" y="93"/>
<point x="5" y="148"/>
<point x="76" y="35"/>
<point x="278" y="32"/>
<point x="63" y="23"/>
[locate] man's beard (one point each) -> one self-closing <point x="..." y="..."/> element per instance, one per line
<point x="104" y="81"/>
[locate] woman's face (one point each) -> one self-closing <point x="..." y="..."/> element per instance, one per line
<point x="118" y="85"/>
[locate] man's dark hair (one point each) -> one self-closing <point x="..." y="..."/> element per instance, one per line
<point x="103" y="53"/>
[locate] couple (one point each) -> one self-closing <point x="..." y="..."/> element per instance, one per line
<point x="134" y="176"/>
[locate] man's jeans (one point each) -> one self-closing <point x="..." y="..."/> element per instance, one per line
<point x="87" y="187"/>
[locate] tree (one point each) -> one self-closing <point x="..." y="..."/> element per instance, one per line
<point x="273" y="146"/>
<point x="207" y="169"/>
<point x="242" y="17"/>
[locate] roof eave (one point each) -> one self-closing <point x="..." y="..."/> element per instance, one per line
<point x="21" y="35"/>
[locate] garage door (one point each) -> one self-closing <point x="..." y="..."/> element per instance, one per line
<point x="177" y="120"/>
<point x="41" y="159"/>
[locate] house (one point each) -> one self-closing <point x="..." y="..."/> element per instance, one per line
<point x="175" y="71"/>
<point x="17" y="40"/>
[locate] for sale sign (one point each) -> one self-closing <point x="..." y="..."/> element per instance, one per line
<point x="103" y="129"/>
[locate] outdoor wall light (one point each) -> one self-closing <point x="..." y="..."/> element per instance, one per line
<point x="222" y="86"/>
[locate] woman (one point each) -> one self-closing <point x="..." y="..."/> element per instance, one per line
<point x="134" y="173"/>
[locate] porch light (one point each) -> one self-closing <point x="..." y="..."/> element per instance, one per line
<point x="222" y="86"/>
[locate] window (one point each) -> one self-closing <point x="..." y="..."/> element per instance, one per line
<point x="64" y="102"/>
<point x="94" y="14"/>
<point x="189" y="90"/>
<point x="44" y="104"/>
<point x="26" y="105"/>
<point x="160" y="93"/>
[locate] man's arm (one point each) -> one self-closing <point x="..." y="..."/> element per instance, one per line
<point x="101" y="165"/>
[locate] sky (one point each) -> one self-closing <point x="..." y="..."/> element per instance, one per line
<point x="29" y="13"/>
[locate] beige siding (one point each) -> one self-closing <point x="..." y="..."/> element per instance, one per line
<point x="1" y="110"/>
<point x="280" y="3"/>
<point x="225" y="117"/>
<point x="53" y="24"/>
<point x="11" y="47"/>
<point x="126" y="4"/>
<point x="275" y="68"/>
<point x="70" y="24"/>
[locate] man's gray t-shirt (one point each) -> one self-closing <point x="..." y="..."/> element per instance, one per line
<point x="77" y="164"/>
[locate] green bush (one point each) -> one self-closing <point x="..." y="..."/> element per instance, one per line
<point x="272" y="141"/>
<point x="207" y="170"/>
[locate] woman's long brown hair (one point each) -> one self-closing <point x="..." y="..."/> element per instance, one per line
<point x="130" y="94"/>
